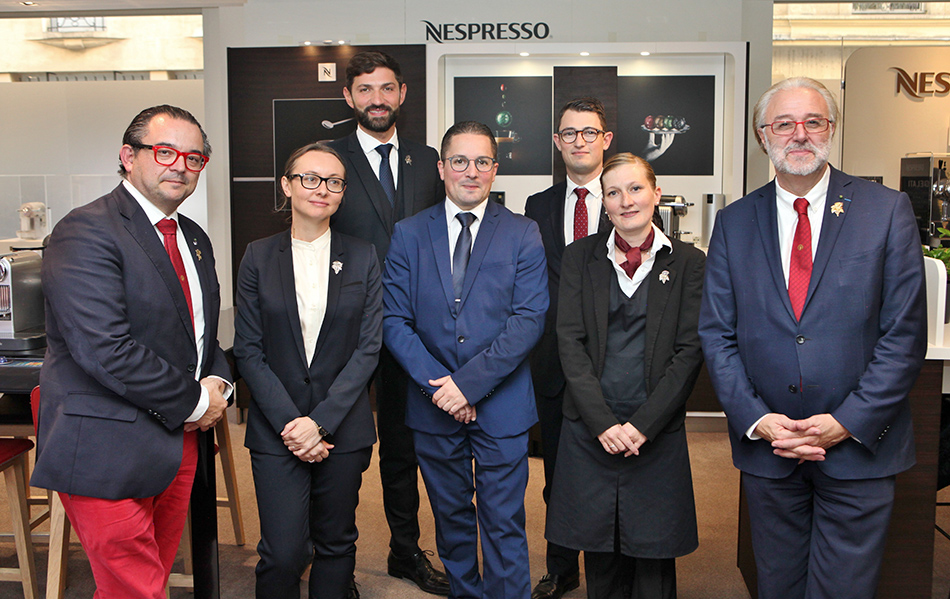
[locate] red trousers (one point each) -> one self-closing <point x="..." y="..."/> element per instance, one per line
<point x="131" y="543"/>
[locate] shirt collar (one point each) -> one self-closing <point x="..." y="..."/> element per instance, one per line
<point x="593" y="186"/>
<point x="369" y="143"/>
<point x="451" y="210"/>
<point x="317" y="244"/>
<point x="151" y="210"/>
<point x="815" y="196"/>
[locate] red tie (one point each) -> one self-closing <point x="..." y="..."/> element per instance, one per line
<point x="799" y="269"/>
<point x="169" y="229"/>
<point x="634" y="259"/>
<point x="580" y="213"/>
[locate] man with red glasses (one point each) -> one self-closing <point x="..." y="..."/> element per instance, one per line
<point x="813" y="324"/>
<point x="133" y="368"/>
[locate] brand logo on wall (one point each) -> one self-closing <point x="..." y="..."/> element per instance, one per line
<point x="468" y="32"/>
<point x="924" y="84"/>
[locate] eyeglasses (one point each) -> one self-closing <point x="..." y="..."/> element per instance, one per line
<point x="816" y="125"/>
<point x="167" y="156"/>
<point x="459" y="164"/>
<point x="334" y="184"/>
<point x="588" y="133"/>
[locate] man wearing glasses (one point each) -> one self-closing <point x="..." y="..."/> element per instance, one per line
<point x="390" y="178"/>
<point x="814" y="329"/>
<point x="464" y="296"/>
<point x="565" y="212"/>
<point x="133" y="368"/>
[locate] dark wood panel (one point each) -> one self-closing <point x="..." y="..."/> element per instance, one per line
<point x="253" y="217"/>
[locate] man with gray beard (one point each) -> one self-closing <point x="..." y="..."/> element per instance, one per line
<point x="813" y="325"/>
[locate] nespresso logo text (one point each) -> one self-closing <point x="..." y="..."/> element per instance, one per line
<point x="467" y="32"/>
<point x="917" y="85"/>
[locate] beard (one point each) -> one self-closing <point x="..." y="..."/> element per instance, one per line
<point x="779" y="157"/>
<point x="377" y="124"/>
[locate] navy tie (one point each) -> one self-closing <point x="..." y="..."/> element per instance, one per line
<point x="386" y="173"/>
<point x="463" y="249"/>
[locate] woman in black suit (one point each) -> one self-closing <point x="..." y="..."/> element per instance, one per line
<point x="307" y="336"/>
<point x="627" y="334"/>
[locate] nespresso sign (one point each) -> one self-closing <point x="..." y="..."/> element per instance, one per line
<point x="923" y="84"/>
<point x="470" y="32"/>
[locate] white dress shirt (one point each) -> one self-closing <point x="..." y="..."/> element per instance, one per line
<point x="593" y="201"/>
<point x="369" y="145"/>
<point x="311" y="281"/>
<point x="627" y="285"/>
<point x="455" y="226"/>
<point x="154" y="215"/>
<point x="788" y="218"/>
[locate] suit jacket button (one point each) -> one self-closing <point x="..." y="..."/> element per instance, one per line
<point x="306" y="381"/>
<point x="800" y="339"/>
<point x="191" y="367"/>
<point x="461" y="338"/>
<point x="792" y="389"/>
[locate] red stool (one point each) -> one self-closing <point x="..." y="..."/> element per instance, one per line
<point x="13" y="454"/>
<point x="59" y="528"/>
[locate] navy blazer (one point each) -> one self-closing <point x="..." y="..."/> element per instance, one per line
<point x="859" y="345"/>
<point x="118" y="380"/>
<point x="547" y="209"/>
<point x="366" y="212"/>
<point x="269" y="350"/>
<point x="485" y="344"/>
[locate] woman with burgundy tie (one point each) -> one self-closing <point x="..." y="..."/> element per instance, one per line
<point x="627" y="331"/>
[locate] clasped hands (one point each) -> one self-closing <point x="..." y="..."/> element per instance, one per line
<point x="622" y="438"/>
<point x="216" y="405"/>
<point x="449" y="398"/>
<point x="303" y="439"/>
<point x="804" y="440"/>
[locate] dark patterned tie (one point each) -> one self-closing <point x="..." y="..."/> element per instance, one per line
<point x="463" y="250"/>
<point x="169" y="229"/>
<point x="800" y="263"/>
<point x="386" y="173"/>
<point x="580" y="213"/>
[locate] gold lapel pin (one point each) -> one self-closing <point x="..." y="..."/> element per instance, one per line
<point x="837" y="208"/>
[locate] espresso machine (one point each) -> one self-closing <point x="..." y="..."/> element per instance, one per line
<point x="924" y="180"/>
<point x="22" y="325"/>
<point x="671" y="210"/>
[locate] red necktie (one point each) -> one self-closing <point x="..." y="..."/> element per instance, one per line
<point x="580" y="213"/>
<point x="169" y="229"/>
<point x="634" y="259"/>
<point x="799" y="268"/>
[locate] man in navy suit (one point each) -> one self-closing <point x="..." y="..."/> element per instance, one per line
<point x="133" y="368"/>
<point x="564" y="212"/>
<point x="814" y="330"/>
<point x="464" y="297"/>
<point x="379" y="193"/>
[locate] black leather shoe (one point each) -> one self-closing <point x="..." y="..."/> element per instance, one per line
<point x="552" y="586"/>
<point x="419" y="570"/>
<point x="353" y="593"/>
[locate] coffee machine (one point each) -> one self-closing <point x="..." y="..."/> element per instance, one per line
<point x="924" y="180"/>
<point x="22" y="325"/>
<point x="671" y="210"/>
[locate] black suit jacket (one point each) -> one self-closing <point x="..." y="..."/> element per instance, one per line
<point x="547" y="209"/>
<point x="366" y="212"/>
<point x="672" y="351"/>
<point x="118" y="380"/>
<point x="268" y="344"/>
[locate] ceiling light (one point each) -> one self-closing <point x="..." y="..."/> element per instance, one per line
<point x="341" y="42"/>
<point x="28" y="3"/>
<point x="644" y="53"/>
<point x="306" y="43"/>
<point x="585" y="53"/>
<point x="524" y="54"/>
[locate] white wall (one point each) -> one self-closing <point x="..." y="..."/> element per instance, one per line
<point x="60" y="141"/>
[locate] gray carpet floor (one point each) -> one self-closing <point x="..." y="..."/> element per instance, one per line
<point x="708" y="573"/>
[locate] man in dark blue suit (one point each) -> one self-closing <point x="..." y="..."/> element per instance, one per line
<point x="464" y="296"/>
<point x="379" y="193"/>
<point x="133" y="368"/>
<point x="814" y="329"/>
<point x="565" y="212"/>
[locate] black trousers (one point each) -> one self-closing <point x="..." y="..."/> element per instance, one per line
<point x="398" y="466"/>
<point x="560" y="560"/>
<point x="616" y="576"/>
<point x="308" y="515"/>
